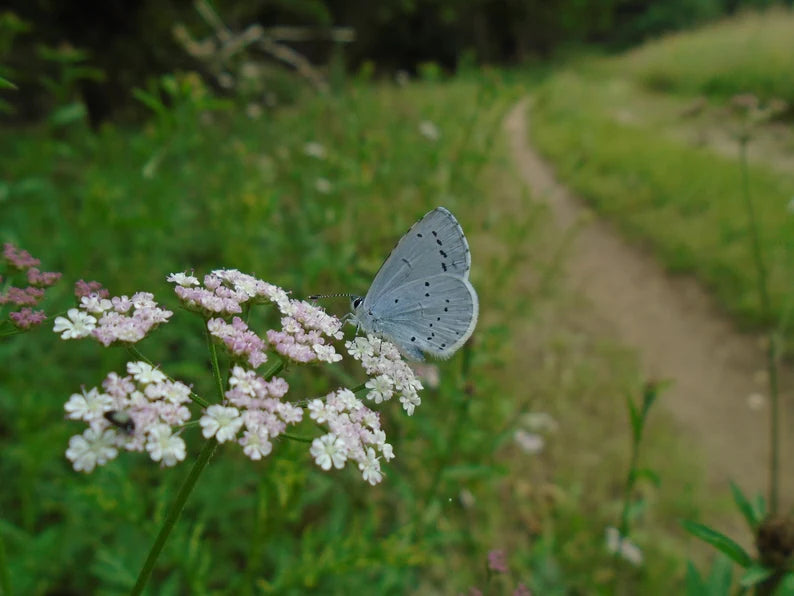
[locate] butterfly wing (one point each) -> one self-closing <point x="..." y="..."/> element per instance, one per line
<point x="435" y="245"/>
<point x="435" y="315"/>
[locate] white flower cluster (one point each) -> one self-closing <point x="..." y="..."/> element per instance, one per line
<point x="355" y="434"/>
<point x="121" y="318"/>
<point x="314" y="149"/>
<point x="532" y="431"/>
<point x="305" y="327"/>
<point x="303" y="331"/>
<point x="137" y="412"/>
<point x="623" y="547"/>
<point x="389" y="373"/>
<point x="253" y="405"/>
<point x="224" y="291"/>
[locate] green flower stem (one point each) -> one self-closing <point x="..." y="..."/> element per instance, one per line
<point x="297" y="438"/>
<point x="216" y="370"/>
<point x="187" y="485"/>
<point x="173" y="514"/>
<point x="628" y="488"/>
<point x="766" y="311"/>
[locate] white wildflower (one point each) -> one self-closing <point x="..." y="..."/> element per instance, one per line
<point x="78" y="324"/>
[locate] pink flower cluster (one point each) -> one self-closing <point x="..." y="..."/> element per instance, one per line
<point x="120" y="319"/>
<point x="32" y="294"/>
<point x="302" y="333"/>
<point x="141" y="411"/>
<point x="18" y="258"/>
<point x="254" y="406"/>
<point x="389" y="374"/>
<point x="305" y="328"/>
<point x="224" y="292"/>
<point x="86" y="288"/>
<point x="239" y="339"/>
<point x="355" y="434"/>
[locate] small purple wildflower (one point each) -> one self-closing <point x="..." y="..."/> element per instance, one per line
<point x="86" y="288"/>
<point x="18" y="258"/>
<point x="42" y="279"/>
<point x="497" y="561"/>
<point x="29" y="296"/>
<point x="27" y="318"/>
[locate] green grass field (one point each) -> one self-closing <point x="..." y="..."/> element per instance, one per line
<point x="666" y="169"/>
<point x="748" y="53"/>
<point x="203" y="186"/>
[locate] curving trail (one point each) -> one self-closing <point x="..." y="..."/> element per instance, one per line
<point x="677" y="331"/>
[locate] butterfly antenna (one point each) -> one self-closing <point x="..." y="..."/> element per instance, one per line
<point x="316" y="296"/>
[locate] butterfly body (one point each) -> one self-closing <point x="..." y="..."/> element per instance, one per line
<point x="421" y="298"/>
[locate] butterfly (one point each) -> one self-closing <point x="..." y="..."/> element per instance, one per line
<point x="421" y="298"/>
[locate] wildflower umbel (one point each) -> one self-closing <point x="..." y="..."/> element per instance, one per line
<point x="121" y="319"/>
<point x="389" y="373"/>
<point x="305" y="331"/>
<point x="17" y="262"/>
<point x="355" y="434"/>
<point x="145" y="410"/>
<point x="154" y="406"/>
<point x="253" y="405"/>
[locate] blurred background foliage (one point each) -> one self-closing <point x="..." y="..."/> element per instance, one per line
<point x="126" y="43"/>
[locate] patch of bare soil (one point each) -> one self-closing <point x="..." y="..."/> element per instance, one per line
<point x="677" y="331"/>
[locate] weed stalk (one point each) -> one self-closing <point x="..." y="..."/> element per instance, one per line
<point x="766" y="313"/>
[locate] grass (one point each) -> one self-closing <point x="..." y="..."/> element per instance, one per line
<point x="202" y="187"/>
<point x="670" y="181"/>
<point x="753" y="51"/>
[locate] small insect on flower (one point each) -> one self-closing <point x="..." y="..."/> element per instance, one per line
<point x="121" y="420"/>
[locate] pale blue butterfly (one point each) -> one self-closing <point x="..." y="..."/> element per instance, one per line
<point x="421" y="298"/>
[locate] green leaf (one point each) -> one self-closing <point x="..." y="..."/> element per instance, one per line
<point x="719" y="541"/>
<point x="647" y="474"/>
<point x="649" y="396"/>
<point x="636" y="420"/>
<point x="150" y="100"/>
<point x="721" y="577"/>
<point x="754" y="575"/>
<point x="760" y="507"/>
<point x="695" y="586"/>
<point x="747" y="509"/>
<point x="6" y="84"/>
<point x="786" y="587"/>
<point x="67" y="114"/>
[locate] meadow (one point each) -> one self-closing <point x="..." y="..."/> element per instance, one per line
<point x="311" y="197"/>
<point x="656" y="148"/>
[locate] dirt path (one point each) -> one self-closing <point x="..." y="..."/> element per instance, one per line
<point x="675" y="328"/>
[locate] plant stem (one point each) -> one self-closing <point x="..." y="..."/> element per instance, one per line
<point x="766" y="312"/>
<point x="216" y="370"/>
<point x="185" y="489"/>
<point x="631" y="477"/>
<point x="173" y="515"/>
